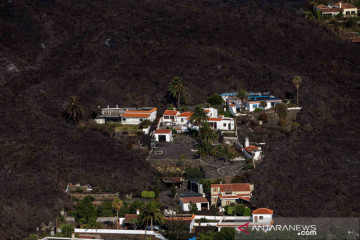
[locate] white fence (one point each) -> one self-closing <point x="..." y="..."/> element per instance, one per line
<point x="114" y="231"/>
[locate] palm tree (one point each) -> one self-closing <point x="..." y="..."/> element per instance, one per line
<point x="73" y="112"/>
<point x="117" y="204"/>
<point x="199" y="116"/>
<point x="177" y="89"/>
<point x="207" y="134"/>
<point x="297" y="81"/>
<point x="242" y="95"/>
<point x="151" y="213"/>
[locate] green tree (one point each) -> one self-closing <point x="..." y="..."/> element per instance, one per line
<point x="173" y="190"/>
<point x="151" y="214"/>
<point x="73" y="111"/>
<point x="215" y="99"/>
<point x="193" y="208"/>
<point x="177" y="89"/>
<point x="117" y="204"/>
<point x="199" y="115"/>
<point x="156" y="188"/>
<point x="247" y="212"/>
<point x="85" y="211"/>
<point x="193" y="172"/>
<point x="297" y="81"/>
<point x="281" y="110"/>
<point x="226" y="234"/>
<point x="135" y="223"/>
<point x="136" y="205"/>
<point x="207" y="134"/>
<point x="239" y="210"/>
<point x="66" y="230"/>
<point x="176" y="229"/>
<point x="105" y="209"/>
<point x="242" y="95"/>
<point x="263" y="104"/>
<point x="92" y="224"/>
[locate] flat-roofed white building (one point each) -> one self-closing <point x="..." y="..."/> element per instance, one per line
<point x="134" y="117"/>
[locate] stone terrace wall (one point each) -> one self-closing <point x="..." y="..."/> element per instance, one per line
<point x="96" y="196"/>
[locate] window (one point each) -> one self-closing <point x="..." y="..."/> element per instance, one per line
<point x="182" y="120"/>
<point x="261" y="217"/>
<point x="224" y="124"/>
<point x="347" y="12"/>
<point x="228" y="202"/>
<point x="215" y="189"/>
<point x="124" y="119"/>
<point x="166" y="117"/>
<point x="141" y="119"/>
<point x="255" y="105"/>
<point x="352" y="12"/>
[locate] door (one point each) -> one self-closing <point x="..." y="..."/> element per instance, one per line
<point x="256" y="218"/>
<point x="162" y="138"/>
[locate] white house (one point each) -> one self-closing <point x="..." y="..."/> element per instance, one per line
<point x="169" y="116"/>
<point x="262" y="215"/>
<point x="163" y="135"/>
<point x="183" y="118"/>
<point x="211" y="112"/>
<point x="134" y="117"/>
<point x="201" y="202"/>
<point x="222" y="123"/>
<point x="332" y="10"/>
<point x="253" y="102"/>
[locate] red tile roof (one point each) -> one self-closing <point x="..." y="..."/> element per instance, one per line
<point x="214" y="119"/>
<point x="262" y="211"/>
<point x="185" y="114"/>
<point x="172" y="179"/>
<point x="133" y="115"/>
<point x="171" y="112"/>
<point x="251" y="148"/>
<point x="141" y="111"/>
<point x="163" y="131"/>
<point x="194" y="199"/>
<point x="236" y="187"/>
<point x="344" y="5"/>
<point x="244" y="197"/>
<point x="128" y="217"/>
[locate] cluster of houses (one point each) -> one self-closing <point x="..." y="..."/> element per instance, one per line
<point x="346" y="9"/>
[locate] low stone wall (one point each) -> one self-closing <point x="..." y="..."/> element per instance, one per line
<point x="96" y="196"/>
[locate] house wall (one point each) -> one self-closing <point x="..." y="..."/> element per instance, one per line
<point x="186" y="206"/>
<point x="100" y="120"/>
<point x="168" y="137"/>
<point x="213" y="112"/>
<point x="182" y="121"/>
<point x="225" y="202"/>
<point x="266" y="218"/>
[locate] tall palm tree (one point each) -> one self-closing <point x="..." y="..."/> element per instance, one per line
<point x="177" y="89"/>
<point x="117" y="204"/>
<point x="207" y="134"/>
<point x="73" y="111"/>
<point x="242" y="95"/>
<point x="151" y="213"/>
<point x="297" y="81"/>
<point x="199" y="116"/>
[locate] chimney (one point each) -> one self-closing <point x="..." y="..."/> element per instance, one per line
<point x="137" y="211"/>
<point x="107" y="106"/>
<point x="117" y="106"/>
<point x="220" y="182"/>
<point x="247" y="142"/>
<point x="340" y="4"/>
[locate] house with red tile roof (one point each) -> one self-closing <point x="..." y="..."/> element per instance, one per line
<point x="200" y="201"/>
<point x="225" y="194"/>
<point x="332" y="10"/>
<point x="163" y="135"/>
<point x="134" y="117"/>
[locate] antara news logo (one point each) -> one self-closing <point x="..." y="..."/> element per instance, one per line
<point x="301" y="229"/>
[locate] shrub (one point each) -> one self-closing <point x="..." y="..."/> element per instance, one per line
<point x="67" y="230"/>
<point x="105" y="209"/>
<point x="249" y="166"/>
<point x="282" y="122"/>
<point x="85" y="211"/>
<point x="257" y="110"/>
<point x="215" y="99"/>
<point x="239" y="210"/>
<point x="144" y="194"/>
<point x="174" y="131"/>
<point x="79" y="190"/>
<point x="173" y="190"/>
<point x="193" y="172"/>
<point x="247" y="212"/>
<point x="229" y="209"/>
<point x="145" y="124"/>
<point x="151" y="194"/>
<point x="202" y="220"/>
<point x="263" y="117"/>
<point x="281" y="110"/>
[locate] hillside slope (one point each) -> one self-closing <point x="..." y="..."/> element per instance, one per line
<point x="50" y="50"/>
